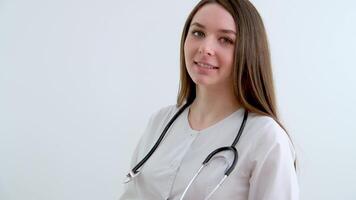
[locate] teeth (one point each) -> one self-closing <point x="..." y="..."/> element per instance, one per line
<point x="205" y="65"/>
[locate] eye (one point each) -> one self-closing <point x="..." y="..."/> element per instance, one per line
<point x="198" y="33"/>
<point x="226" y="40"/>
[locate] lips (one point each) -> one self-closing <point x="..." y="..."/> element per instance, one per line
<point x="205" y="65"/>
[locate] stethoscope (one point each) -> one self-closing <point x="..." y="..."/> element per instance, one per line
<point x="134" y="172"/>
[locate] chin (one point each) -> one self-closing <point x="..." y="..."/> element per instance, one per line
<point x="203" y="82"/>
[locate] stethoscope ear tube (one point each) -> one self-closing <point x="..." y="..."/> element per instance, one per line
<point x="134" y="172"/>
<point x="131" y="175"/>
<point x="237" y="138"/>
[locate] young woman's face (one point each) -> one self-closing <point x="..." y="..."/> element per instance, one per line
<point x="209" y="46"/>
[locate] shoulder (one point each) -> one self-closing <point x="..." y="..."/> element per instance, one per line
<point x="163" y="114"/>
<point x="272" y="160"/>
<point x="266" y="129"/>
<point x="155" y="126"/>
<point x="267" y="135"/>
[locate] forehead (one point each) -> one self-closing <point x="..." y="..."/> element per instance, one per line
<point x="213" y="15"/>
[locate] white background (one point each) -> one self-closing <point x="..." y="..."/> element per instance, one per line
<point x="79" y="79"/>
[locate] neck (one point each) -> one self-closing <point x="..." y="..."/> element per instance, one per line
<point x="211" y="105"/>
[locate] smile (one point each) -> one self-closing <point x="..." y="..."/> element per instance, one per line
<point x="205" y="65"/>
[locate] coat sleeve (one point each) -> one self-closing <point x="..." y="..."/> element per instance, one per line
<point x="129" y="188"/>
<point x="129" y="191"/>
<point x="150" y="135"/>
<point x="273" y="175"/>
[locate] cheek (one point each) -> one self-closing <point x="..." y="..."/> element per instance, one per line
<point x="188" y="51"/>
<point x="185" y="49"/>
<point x="187" y="55"/>
<point x="228" y="59"/>
<point x="229" y="56"/>
<point x="187" y="46"/>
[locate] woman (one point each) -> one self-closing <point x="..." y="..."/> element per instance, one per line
<point x="226" y="92"/>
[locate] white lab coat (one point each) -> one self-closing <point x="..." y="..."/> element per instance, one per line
<point x="264" y="169"/>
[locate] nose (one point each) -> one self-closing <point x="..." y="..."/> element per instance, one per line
<point x="207" y="47"/>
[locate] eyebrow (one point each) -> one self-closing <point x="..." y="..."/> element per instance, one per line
<point x="221" y="30"/>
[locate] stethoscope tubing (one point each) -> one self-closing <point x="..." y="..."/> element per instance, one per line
<point x="134" y="172"/>
<point x="159" y="139"/>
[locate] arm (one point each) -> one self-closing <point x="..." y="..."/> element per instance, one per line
<point x="273" y="175"/>
<point x="129" y="188"/>
<point x="149" y="137"/>
<point x="129" y="191"/>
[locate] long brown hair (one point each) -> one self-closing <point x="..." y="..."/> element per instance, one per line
<point x="252" y="71"/>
